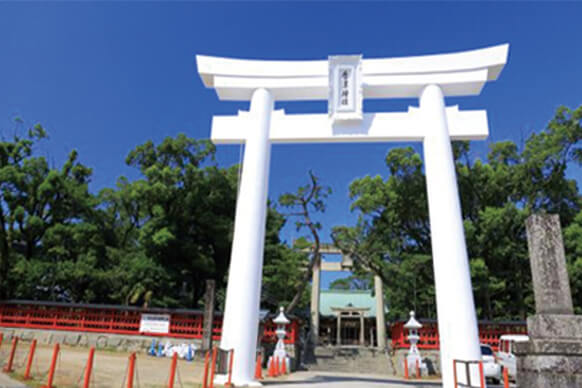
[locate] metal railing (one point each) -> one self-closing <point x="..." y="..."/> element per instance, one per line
<point x="468" y="383"/>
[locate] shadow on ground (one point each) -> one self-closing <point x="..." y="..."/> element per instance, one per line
<point x="326" y="379"/>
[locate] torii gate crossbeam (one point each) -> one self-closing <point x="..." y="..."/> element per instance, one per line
<point x="427" y="78"/>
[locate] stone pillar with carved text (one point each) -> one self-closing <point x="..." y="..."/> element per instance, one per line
<point x="553" y="355"/>
<point x="208" y="323"/>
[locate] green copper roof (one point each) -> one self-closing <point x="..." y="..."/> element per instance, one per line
<point x="345" y="298"/>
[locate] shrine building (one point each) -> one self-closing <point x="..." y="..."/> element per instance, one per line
<point x="348" y="318"/>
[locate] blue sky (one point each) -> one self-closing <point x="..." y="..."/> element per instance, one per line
<point x="105" y="77"/>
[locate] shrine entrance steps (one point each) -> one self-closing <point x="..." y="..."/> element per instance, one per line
<point x="352" y="359"/>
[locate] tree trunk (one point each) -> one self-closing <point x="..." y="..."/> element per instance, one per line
<point x="303" y="285"/>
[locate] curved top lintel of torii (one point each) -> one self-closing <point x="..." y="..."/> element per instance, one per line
<point x="458" y="74"/>
<point x="346" y="263"/>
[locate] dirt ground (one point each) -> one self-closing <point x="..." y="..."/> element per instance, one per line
<point x="109" y="368"/>
<point x="110" y="371"/>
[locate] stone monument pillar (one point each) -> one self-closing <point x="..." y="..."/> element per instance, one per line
<point x="553" y="355"/>
<point x="208" y="314"/>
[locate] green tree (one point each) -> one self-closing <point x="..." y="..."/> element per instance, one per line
<point x="573" y="246"/>
<point x="284" y="267"/>
<point x="392" y="236"/>
<point x="307" y="200"/>
<point x="496" y="196"/>
<point x="180" y="218"/>
<point x="44" y="227"/>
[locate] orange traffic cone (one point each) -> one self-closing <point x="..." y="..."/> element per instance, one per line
<point x="258" y="369"/>
<point x="269" y="367"/>
<point x="284" y="366"/>
<point x="271" y="372"/>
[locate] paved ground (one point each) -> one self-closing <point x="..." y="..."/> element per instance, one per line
<point x="346" y="380"/>
<point x="350" y="380"/>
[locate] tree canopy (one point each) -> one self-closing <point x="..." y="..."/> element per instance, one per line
<point x="154" y="240"/>
<point x="392" y="236"/>
<point x="151" y="241"/>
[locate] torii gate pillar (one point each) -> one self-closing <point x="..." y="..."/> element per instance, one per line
<point x="457" y="320"/>
<point x="241" y="313"/>
<point x="428" y="78"/>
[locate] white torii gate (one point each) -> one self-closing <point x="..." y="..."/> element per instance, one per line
<point x="428" y="78"/>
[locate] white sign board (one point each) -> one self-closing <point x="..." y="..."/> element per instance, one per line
<point x="155" y="323"/>
<point x="345" y="88"/>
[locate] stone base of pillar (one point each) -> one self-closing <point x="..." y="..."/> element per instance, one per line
<point x="553" y="355"/>
<point x="223" y="380"/>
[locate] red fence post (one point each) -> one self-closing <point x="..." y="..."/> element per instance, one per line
<point x="8" y="367"/>
<point x="173" y="370"/>
<point x="405" y="368"/>
<point x="229" y="382"/>
<point x="481" y="375"/>
<point x="1" y="338"/>
<point x="417" y="369"/>
<point x="205" y="378"/>
<point x="53" y="367"/>
<point x="213" y="367"/>
<point x="131" y="370"/>
<point x="455" y="371"/>
<point x="29" y="361"/>
<point x="505" y="378"/>
<point x="88" y="369"/>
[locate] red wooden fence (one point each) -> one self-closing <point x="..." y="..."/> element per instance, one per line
<point x="188" y="323"/>
<point x="116" y="320"/>
<point x="489" y="333"/>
